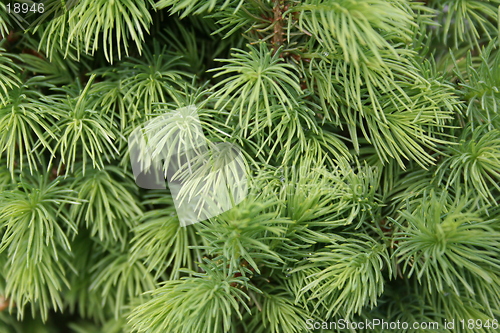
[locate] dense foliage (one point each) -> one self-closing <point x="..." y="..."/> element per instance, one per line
<point x="371" y="136"/>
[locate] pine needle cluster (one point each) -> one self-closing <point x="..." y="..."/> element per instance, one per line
<point x="370" y="133"/>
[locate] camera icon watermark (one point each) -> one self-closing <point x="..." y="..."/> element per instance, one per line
<point x="204" y="178"/>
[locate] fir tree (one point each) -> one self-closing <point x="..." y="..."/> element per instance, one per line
<point x="370" y="132"/>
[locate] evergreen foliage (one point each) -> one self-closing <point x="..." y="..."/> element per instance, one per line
<point x="370" y="132"/>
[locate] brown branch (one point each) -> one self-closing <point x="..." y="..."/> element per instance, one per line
<point x="277" y="40"/>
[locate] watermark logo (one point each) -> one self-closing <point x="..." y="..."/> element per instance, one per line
<point x="204" y="178"/>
